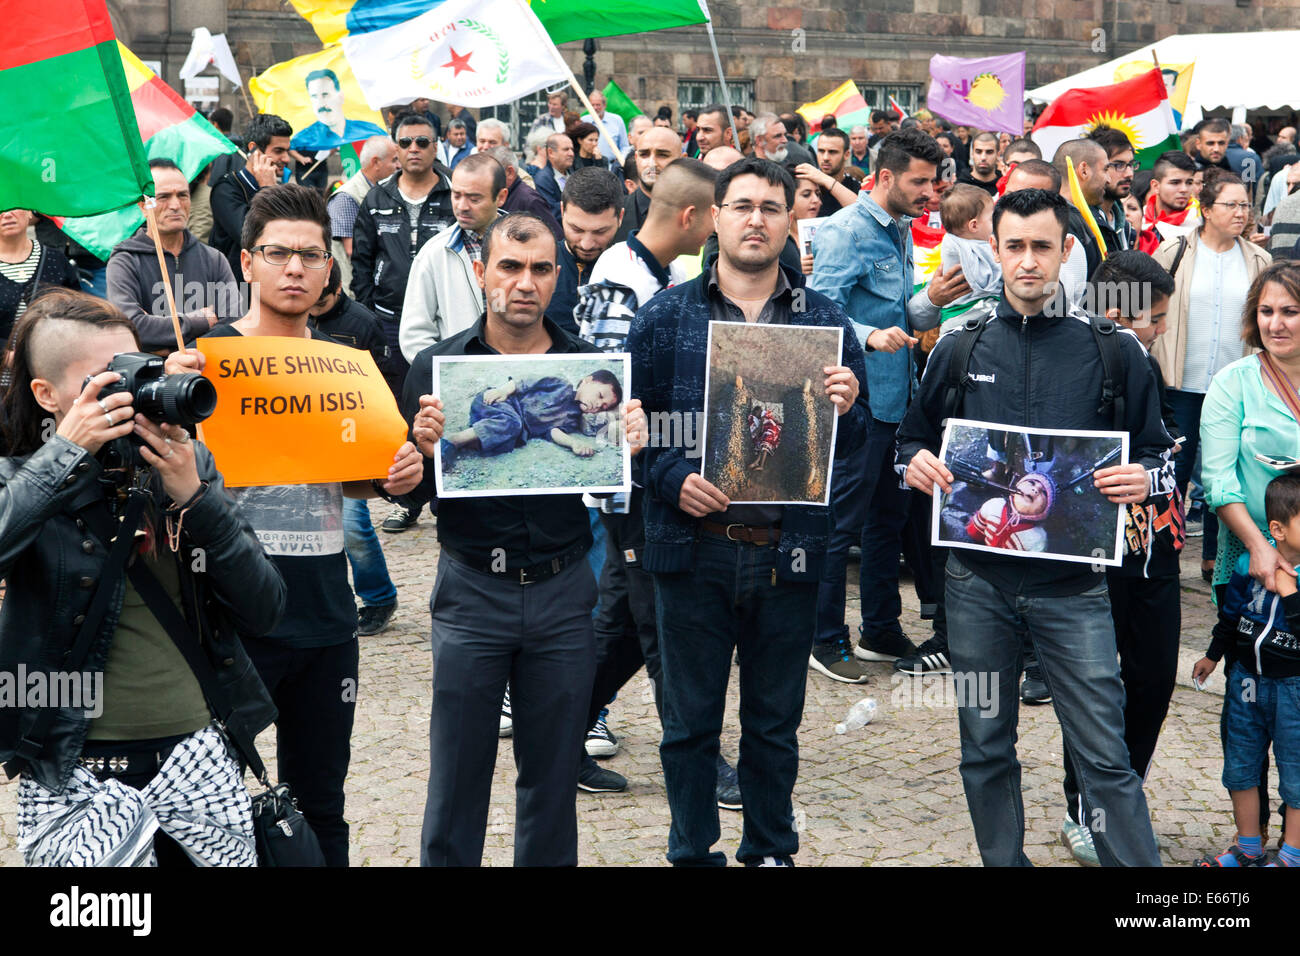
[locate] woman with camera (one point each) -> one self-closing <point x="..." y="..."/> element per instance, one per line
<point x="99" y="506"/>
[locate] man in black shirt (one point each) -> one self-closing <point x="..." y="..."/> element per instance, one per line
<point x="512" y="598"/>
<point x="983" y="170"/>
<point x="309" y="662"/>
<point x="832" y="159"/>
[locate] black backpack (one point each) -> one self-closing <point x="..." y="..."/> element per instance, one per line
<point x="956" y="380"/>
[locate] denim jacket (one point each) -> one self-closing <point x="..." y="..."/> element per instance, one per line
<point x="862" y="261"/>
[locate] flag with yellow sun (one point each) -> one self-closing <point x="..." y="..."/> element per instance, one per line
<point x="987" y="92"/>
<point x="1138" y="108"/>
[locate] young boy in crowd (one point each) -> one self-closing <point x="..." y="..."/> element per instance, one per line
<point x="1131" y="289"/>
<point x="505" y="418"/>
<point x="967" y="215"/>
<point x="1261" y="702"/>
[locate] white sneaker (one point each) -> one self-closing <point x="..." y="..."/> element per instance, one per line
<point x="601" y="742"/>
<point x="1079" y="839"/>
<point x="507" y="722"/>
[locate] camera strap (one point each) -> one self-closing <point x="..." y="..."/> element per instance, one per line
<point x="119" y="553"/>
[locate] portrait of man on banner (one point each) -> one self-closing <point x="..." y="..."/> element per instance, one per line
<point x="332" y="127"/>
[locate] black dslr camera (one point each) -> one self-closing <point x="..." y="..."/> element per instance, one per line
<point x="184" y="399"/>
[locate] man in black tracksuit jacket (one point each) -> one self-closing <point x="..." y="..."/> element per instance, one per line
<point x="1037" y="364"/>
<point x="384" y="244"/>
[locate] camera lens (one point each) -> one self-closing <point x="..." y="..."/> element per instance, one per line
<point x="184" y="399"/>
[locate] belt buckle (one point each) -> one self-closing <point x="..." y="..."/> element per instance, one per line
<point x="735" y="525"/>
<point x="523" y="577"/>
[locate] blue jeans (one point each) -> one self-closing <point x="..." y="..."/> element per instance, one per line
<point x="1074" y="640"/>
<point x="1260" y="711"/>
<point x="369" y="569"/>
<point x="867" y="507"/>
<point x="729" y="602"/>
<point x="596" y="556"/>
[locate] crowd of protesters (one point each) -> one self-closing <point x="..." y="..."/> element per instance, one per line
<point x="593" y="234"/>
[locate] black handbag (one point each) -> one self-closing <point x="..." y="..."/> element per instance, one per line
<point x="283" y="836"/>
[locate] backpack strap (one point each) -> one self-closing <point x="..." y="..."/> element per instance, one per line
<point x="956" y="381"/>
<point x="1178" y="256"/>
<point x="1106" y="334"/>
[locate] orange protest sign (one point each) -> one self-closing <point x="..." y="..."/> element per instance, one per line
<point x="298" y="411"/>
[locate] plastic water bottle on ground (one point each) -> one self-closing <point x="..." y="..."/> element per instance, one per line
<point x="860" y="715"/>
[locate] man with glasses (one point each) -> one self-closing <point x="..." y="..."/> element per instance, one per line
<point x="308" y="660"/>
<point x="1109" y="213"/>
<point x="733" y="576"/>
<point x="204" y="285"/>
<point x="862" y="261"/>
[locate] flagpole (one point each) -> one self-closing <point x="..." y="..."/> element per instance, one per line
<point x="722" y="80"/>
<point x="149" y="204"/>
<point x="534" y="23"/>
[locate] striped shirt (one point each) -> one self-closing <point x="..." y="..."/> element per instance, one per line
<point x="1217" y="297"/>
<point x="21" y="274"/>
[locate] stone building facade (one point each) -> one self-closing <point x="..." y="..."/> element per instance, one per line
<point x="775" y="55"/>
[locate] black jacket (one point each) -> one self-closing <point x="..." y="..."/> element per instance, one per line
<point x="350" y="323"/>
<point x="54" y="269"/>
<point x="382" y="250"/>
<point x="229" y="199"/>
<point x="51" y="563"/>
<point x="1083" y="237"/>
<point x="1042" y="372"/>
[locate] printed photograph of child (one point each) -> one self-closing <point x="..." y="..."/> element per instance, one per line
<point x="1030" y="492"/>
<point x="536" y="425"/>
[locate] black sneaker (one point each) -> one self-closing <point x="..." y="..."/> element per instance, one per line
<point x="728" y="786"/>
<point x="930" y="658"/>
<point x="594" y="778"/>
<point x="373" y="618"/>
<point x="1033" y="689"/>
<point x="507" y="725"/>
<point x="883" y="646"/>
<point x="837" y="662"/>
<point x="601" y="741"/>
<point x="400" y="519"/>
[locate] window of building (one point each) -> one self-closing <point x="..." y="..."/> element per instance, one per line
<point x="877" y="96"/>
<point x="696" y="94"/>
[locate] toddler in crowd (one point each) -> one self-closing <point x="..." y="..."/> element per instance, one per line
<point x="1257" y="632"/>
<point x="967" y="214"/>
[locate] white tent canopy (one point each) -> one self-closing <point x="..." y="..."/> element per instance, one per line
<point x="1237" y="71"/>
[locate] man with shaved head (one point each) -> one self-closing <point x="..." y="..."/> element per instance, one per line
<point x="1088" y="158"/>
<point x="720" y="157"/>
<point x="655" y="148"/>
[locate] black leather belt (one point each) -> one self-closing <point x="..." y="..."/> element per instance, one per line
<point x="742" y="532"/>
<point x="532" y="574"/>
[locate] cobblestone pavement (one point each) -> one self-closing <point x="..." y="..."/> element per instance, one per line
<point x="889" y="794"/>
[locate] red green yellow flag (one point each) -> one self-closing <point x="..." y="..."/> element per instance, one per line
<point x="69" y="144"/>
<point x="171" y="129"/>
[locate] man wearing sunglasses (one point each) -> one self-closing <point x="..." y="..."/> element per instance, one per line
<point x="398" y="217"/>
<point x="1109" y="213"/>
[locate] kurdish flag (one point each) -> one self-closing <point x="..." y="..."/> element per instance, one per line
<point x="564" y="20"/>
<point x="64" y="89"/>
<point x="1138" y="107"/>
<point x="844" y="102"/>
<point x="925" y="252"/>
<point x="169" y="128"/>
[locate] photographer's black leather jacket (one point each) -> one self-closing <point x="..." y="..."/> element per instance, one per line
<point x="51" y="563"/>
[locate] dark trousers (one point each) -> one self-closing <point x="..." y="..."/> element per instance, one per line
<point x="869" y="508"/>
<point x="313" y="740"/>
<point x="626" y="635"/>
<point x="538" y="637"/>
<point x="1148" y="620"/>
<point x="730" y="602"/>
<point x="1074" y="640"/>
<point x="1187" y="412"/>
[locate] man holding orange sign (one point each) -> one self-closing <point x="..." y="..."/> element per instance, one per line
<point x="301" y="425"/>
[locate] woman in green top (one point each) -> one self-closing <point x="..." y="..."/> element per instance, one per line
<point x="1245" y="415"/>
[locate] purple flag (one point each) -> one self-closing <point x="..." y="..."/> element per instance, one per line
<point x="986" y="92"/>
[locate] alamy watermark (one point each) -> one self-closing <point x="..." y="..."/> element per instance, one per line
<point x="75" y="690"/>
